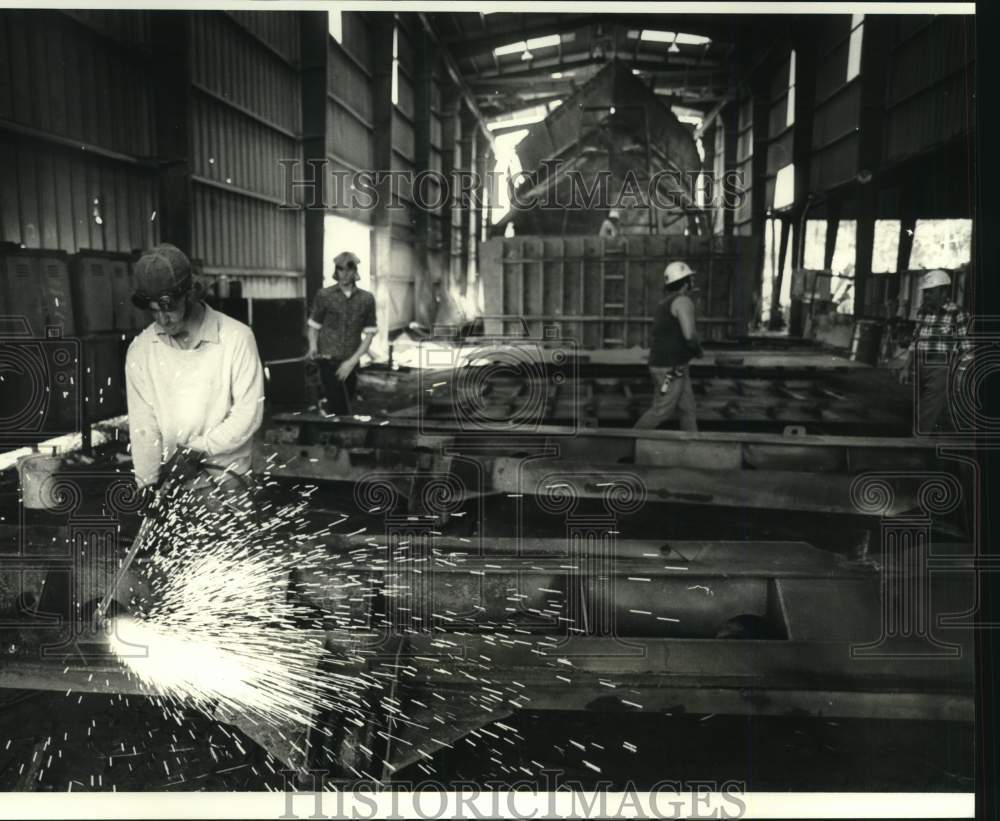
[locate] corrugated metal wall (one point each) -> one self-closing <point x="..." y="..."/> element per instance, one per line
<point x="837" y="110"/>
<point x="350" y="128"/>
<point x="929" y="95"/>
<point x="742" y="221"/>
<point x="779" y="130"/>
<point x="404" y="258"/>
<point x="76" y="131"/>
<point x="246" y="118"/>
<point x="432" y="189"/>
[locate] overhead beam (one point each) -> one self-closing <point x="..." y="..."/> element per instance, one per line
<point x="456" y="76"/>
<point x="683" y="76"/>
<point x="709" y="118"/>
<point x="463" y="47"/>
<point x="569" y="60"/>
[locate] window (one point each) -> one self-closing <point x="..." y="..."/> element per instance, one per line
<point x="652" y="36"/>
<point x="335" y="23"/>
<point x="784" y="187"/>
<point x="942" y="243"/>
<point x="772" y="253"/>
<point x="886" y="246"/>
<point x="842" y="267"/>
<point x="814" y="254"/>
<point x="527" y="45"/>
<point x="701" y="185"/>
<point x="508" y="166"/>
<point x="854" y="46"/>
<point x="395" y="65"/>
<point x="790" y="111"/>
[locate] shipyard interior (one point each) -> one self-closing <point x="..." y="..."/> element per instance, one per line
<point x="589" y="418"/>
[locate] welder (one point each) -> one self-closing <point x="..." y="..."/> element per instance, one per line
<point x="195" y="389"/>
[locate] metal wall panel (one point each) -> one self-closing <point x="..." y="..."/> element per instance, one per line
<point x="131" y="28"/>
<point x="403" y="136"/>
<point x="246" y="118"/>
<point x="47" y="195"/>
<point x="744" y="161"/>
<point x="279" y="31"/>
<point x="230" y="63"/>
<point x="929" y="95"/>
<point x="831" y="72"/>
<point x="601" y="293"/>
<point x="349" y="81"/>
<point x="779" y="153"/>
<point x="838" y="116"/>
<point x="337" y="170"/>
<point x="270" y="287"/>
<point x="232" y="149"/>
<point x="238" y="232"/>
<point x="834" y="165"/>
<point x="837" y="111"/>
<point x="349" y="138"/>
<point x="357" y="37"/>
<point x="60" y="77"/>
<point x="927" y="119"/>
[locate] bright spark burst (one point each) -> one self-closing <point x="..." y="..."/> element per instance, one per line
<point x="221" y="632"/>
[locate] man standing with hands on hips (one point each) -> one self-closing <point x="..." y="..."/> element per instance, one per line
<point x="340" y="330"/>
<point x="674" y="344"/>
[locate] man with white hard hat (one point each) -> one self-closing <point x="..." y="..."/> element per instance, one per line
<point x="939" y="337"/>
<point x="609" y="228"/>
<point x="674" y="345"/>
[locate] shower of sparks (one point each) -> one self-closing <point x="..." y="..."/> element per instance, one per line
<point x="219" y="629"/>
<point x="276" y="624"/>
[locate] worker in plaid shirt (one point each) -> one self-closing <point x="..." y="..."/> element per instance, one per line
<point x="940" y="337"/>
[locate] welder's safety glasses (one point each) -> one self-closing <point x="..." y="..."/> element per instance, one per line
<point x="350" y="266"/>
<point x="167" y="302"/>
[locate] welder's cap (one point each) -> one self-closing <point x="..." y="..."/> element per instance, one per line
<point x="163" y="270"/>
<point x="676" y="271"/>
<point x="347" y="259"/>
<point x="614" y="214"/>
<point x="935" y="279"/>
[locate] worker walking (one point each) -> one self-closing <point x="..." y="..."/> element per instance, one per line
<point x="674" y="345"/>
<point x="340" y="330"/>
<point x="938" y="339"/>
<point x="609" y="228"/>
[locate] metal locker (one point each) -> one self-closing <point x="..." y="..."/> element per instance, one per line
<point x="92" y="294"/>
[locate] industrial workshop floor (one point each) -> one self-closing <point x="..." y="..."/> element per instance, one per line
<point x="100" y="742"/>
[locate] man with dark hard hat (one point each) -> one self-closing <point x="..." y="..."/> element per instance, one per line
<point x="939" y="338"/>
<point x="194" y="382"/>
<point x="340" y="330"/>
<point x="674" y="344"/>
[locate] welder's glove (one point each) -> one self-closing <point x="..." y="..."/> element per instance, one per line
<point x="183" y="466"/>
<point x="694" y="346"/>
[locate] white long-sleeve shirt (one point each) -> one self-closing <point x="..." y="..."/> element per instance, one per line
<point x="209" y="397"/>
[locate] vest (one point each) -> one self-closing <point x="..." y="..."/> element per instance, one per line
<point x="668" y="347"/>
